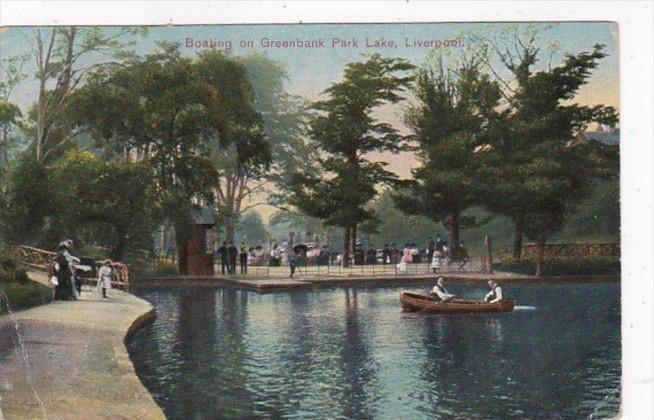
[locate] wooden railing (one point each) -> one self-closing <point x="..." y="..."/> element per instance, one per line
<point x="42" y="260"/>
<point x="565" y="250"/>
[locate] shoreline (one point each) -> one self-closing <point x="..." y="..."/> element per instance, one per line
<point x="68" y="359"/>
<point x="286" y="284"/>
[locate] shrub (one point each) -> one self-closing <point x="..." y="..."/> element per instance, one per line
<point x="155" y="269"/>
<point x="22" y="296"/>
<point x="563" y="266"/>
<point x="11" y="270"/>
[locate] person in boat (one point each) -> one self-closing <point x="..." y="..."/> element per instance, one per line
<point x="495" y="293"/>
<point x="439" y="293"/>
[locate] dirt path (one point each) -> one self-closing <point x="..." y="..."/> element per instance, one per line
<point x="67" y="360"/>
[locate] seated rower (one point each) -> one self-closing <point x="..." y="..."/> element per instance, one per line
<point x="495" y="293"/>
<point x="439" y="293"/>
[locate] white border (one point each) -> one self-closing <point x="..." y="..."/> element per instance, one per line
<point x="636" y="40"/>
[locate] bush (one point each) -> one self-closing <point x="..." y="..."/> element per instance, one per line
<point x="16" y="289"/>
<point x="563" y="266"/>
<point x="154" y="269"/>
<point x="22" y="296"/>
<point x="12" y="270"/>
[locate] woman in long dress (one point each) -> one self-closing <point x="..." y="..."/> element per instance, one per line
<point x="64" y="287"/>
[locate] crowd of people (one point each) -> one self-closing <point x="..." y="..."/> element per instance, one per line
<point x="437" y="253"/>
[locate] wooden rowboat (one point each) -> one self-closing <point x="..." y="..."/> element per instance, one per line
<point x="413" y="302"/>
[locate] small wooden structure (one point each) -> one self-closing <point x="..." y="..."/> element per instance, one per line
<point x="199" y="247"/>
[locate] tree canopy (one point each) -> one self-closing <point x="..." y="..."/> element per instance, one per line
<point x="454" y="112"/>
<point x="345" y="131"/>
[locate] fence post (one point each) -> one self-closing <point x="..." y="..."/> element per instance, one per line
<point x="489" y="255"/>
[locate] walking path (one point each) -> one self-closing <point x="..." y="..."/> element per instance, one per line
<point x="68" y="360"/>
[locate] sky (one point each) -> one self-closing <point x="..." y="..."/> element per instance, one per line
<point x="311" y="70"/>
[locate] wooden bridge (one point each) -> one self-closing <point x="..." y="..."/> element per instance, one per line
<point x="42" y="260"/>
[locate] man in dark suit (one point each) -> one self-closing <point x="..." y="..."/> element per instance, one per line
<point x="232" y="254"/>
<point x="243" y="258"/>
<point x="222" y="253"/>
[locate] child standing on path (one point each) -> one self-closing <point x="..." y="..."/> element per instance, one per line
<point x="104" y="278"/>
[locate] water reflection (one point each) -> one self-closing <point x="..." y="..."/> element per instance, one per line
<point x="351" y="353"/>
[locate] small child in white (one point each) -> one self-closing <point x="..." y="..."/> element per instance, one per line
<point x="104" y="278"/>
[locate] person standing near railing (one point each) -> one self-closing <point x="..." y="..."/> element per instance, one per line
<point x="105" y="274"/>
<point x="222" y="253"/>
<point x="64" y="288"/>
<point x="232" y="254"/>
<point x="243" y="258"/>
<point x="64" y="249"/>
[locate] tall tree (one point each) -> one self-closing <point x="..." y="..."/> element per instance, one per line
<point x="10" y="119"/>
<point x="277" y="128"/>
<point x="60" y="54"/>
<point x="453" y="114"/>
<point x="105" y="203"/>
<point x="162" y="110"/>
<point x="10" y="115"/>
<point x="345" y="131"/>
<point x="240" y="151"/>
<point x="538" y="170"/>
<point x="251" y="229"/>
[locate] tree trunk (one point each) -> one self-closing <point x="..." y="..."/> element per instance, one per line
<point x="346" y="247"/>
<point x="230" y="230"/>
<point x="540" y="251"/>
<point x="517" y="238"/>
<point x="455" y="225"/>
<point x="119" y="249"/>
<point x="488" y="258"/>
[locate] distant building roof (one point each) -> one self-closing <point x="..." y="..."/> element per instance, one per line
<point x="611" y="138"/>
<point x="204" y="216"/>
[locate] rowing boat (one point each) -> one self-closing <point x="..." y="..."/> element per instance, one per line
<point x="413" y="302"/>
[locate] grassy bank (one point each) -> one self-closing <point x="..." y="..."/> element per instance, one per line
<point x="21" y="293"/>
<point x="563" y="266"/>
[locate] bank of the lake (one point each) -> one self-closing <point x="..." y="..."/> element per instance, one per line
<point x="69" y="360"/>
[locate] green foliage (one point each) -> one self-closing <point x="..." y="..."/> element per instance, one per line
<point x="105" y="202"/>
<point x="563" y="266"/>
<point x="534" y="174"/>
<point x="28" y="206"/>
<point x="161" y="110"/>
<point x="16" y="289"/>
<point x="11" y="270"/>
<point x="283" y="222"/>
<point x="22" y="295"/>
<point x="395" y="226"/>
<point x="110" y="204"/>
<point x="285" y="118"/>
<point x="165" y="109"/>
<point x="145" y="268"/>
<point x="455" y="108"/>
<point x="345" y="131"/>
<point x="251" y="229"/>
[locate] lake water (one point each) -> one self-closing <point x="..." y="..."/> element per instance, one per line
<point x="217" y="353"/>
